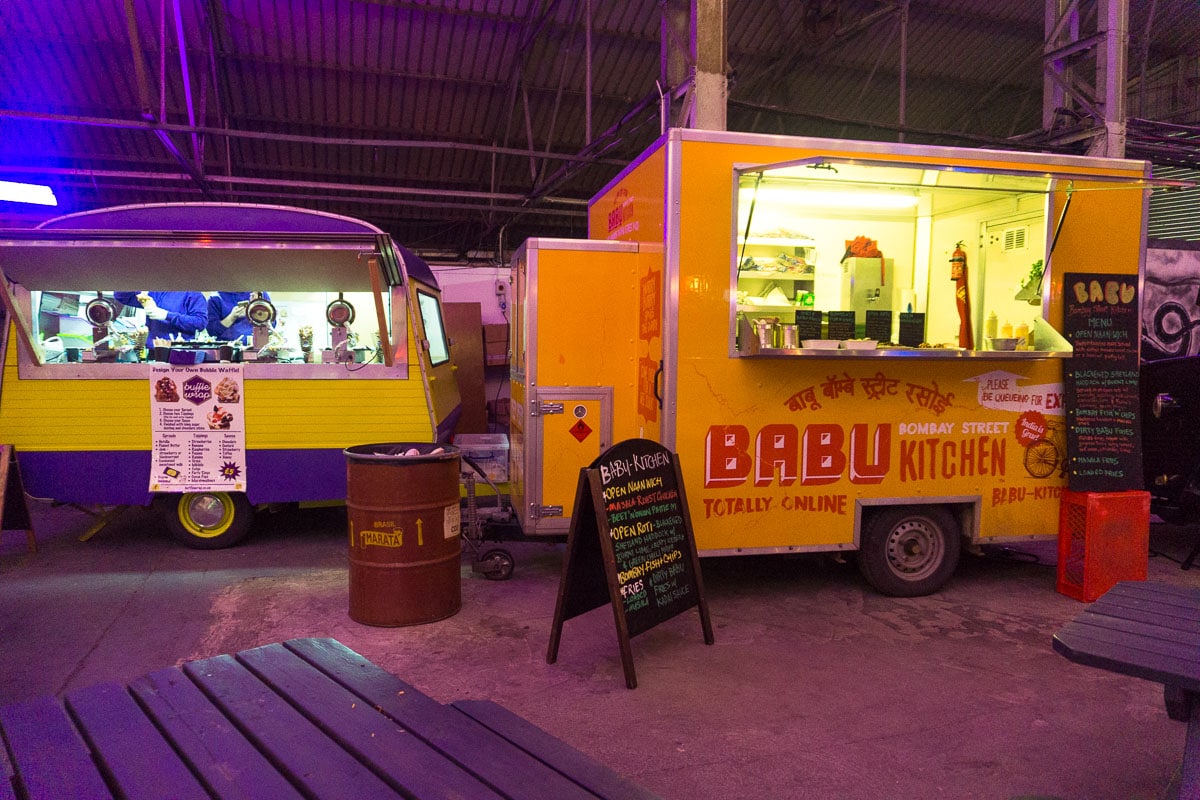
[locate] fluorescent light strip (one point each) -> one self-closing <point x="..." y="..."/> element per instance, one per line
<point x="853" y="199"/>
<point x="797" y="196"/>
<point x="34" y="193"/>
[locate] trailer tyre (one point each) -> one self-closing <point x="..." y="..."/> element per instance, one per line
<point x="207" y="520"/>
<point x="909" y="551"/>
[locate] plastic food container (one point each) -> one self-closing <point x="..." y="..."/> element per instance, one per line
<point x="859" y="344"/>
<point x="820" y="344"/>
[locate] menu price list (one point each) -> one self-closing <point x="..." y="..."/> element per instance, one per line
<point x="202" y="459"/>
<point x="630" y="544"/>
<point x="879" y="325"/>
<point x="646" y="527"/>
<point x="1103" y="418"/>
<point x="912" y="328"/>
<point x="197" y="427"/>
<point x="1101" y="383"/>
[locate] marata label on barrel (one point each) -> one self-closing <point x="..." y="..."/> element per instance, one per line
<point x="383" y="538"/>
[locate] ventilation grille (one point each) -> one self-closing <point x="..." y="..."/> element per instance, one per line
<point x="1014" y="238"/>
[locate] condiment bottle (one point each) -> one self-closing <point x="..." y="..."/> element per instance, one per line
<point x="1006" y="331"/>
<point x="990" y="326"/>
<point x="1021" y="332"/>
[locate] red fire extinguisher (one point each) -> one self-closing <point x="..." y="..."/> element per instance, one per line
<point x="962" y="296"/>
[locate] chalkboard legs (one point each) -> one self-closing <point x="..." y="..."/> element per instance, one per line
<point x="555" y="635"/>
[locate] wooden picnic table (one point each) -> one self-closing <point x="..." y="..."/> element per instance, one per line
<point x="308" y="718"/>
<point x="1148" y="630"/>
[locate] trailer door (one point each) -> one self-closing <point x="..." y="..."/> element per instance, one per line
<point x="571" y="426"/>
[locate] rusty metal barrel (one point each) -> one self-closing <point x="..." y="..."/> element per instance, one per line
<point x="405" y="532"/>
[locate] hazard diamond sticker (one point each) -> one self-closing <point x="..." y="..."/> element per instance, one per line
<point x="580" y="430"/>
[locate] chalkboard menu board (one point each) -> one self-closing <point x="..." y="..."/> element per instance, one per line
<point x="1101" y="382"/>
<point x="808" y="324"/>
<point x="630" y="544"/>
<point x="879" y="325"/>
<point x="841" y="325"/>
<point x="912" y="329"/>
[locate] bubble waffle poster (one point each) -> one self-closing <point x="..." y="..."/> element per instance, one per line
<point x="199" y="435"/>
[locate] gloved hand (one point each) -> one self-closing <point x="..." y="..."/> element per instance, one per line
<point x="153" y="311"/>
<point x="238" y="312"/>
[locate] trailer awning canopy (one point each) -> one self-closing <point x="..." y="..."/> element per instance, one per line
<point x="204" y="247"/>
<point x="78" y="260"/>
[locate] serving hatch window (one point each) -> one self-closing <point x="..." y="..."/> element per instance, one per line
<point x="267" y="325"/>
<point x="858" y="248"/>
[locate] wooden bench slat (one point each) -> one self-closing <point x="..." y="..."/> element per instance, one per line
<point x="293" y="744"/>
<point x="1165" y="592"/>
<point x="1151" y="614"/>
<point x="402" y="759"/>
<point x="1095" y="648"/>
<point x="48" y="756"/>
<point x="500" y="764"/>
<point x="1141" y="649"/>
<point x="552" y="751"/>
<point x="131" y="752"/>
<point x="227" y="764"/>
<point x="1171" y="608"/>
<point x="348" y="668"/>
<point x="1168" y="634"/>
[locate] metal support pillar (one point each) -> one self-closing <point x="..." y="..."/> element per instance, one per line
<point x="709" y="39"/>
<point x="1084" y="67"/>
<point x="693" y="64"/>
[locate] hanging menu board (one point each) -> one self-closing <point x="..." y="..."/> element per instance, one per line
<point x="1101" y="383"/>
<point x="198" y="429"/>
<point x="630" y="544"/>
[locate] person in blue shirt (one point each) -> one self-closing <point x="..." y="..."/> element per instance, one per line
<point x="168" y="314"/>
<point x="227" y="315"/>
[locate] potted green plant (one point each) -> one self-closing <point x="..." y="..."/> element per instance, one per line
<point x="1031" y="287"/>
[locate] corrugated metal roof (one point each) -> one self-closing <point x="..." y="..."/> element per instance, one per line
<point x="449" y="121"/>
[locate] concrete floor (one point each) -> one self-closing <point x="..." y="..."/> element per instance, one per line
<point x="815" y="688"/>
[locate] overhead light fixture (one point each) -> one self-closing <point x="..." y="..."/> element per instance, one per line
<point x="855" y="199"/>
<point x="825" y="198"/>
<point x="34" y="193"/>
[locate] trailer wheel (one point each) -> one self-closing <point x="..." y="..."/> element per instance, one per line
<point x="207" y="520"/>
<point x="909" y="551"/>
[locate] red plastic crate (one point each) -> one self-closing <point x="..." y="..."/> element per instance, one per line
<point x="1103" y="538"/>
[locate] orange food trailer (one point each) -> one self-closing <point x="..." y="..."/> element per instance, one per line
<point x="852" y="346"/>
